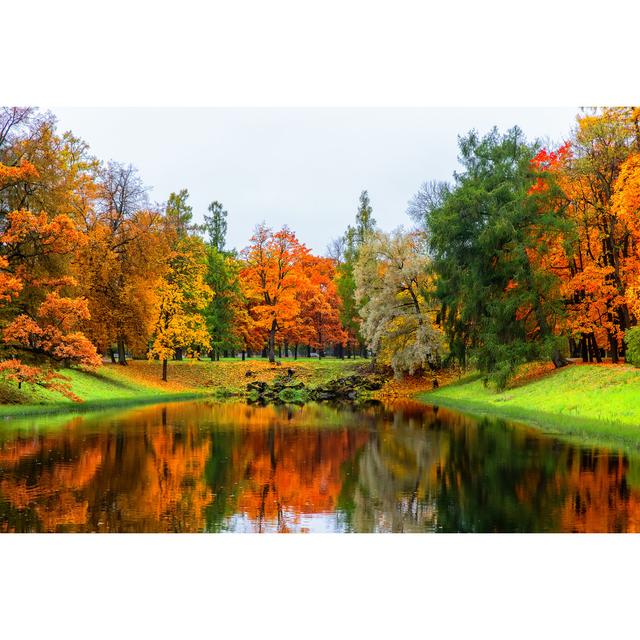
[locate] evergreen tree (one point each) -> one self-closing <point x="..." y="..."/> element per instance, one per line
<point x="222" y="278"/>
<point x="488" y="236"/>
<point x="350" y="245"/>
<point x="179" y="214"/>
<point x="365" y="222"/>
<point x="215" y="226"/>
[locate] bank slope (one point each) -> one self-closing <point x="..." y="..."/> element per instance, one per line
<point x="601" y="401"/>
<point x="140" y="382"/>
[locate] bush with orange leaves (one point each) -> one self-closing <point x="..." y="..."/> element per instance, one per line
<point x="54" y="332"/>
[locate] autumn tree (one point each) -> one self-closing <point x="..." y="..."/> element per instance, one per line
<point x="122" y="261"/>
<point x="183" y="296"/>
<point x="599" y="260"/>
<point x="318" y="322"/>
<point x="41" y="318"/>
<point x="392" y="277"/>
<point x="272" y="271"/>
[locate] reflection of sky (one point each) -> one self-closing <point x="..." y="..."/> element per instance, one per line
<point x="291" y="521"/>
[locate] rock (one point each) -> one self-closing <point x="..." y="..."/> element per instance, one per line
<point x="257" y="386"/>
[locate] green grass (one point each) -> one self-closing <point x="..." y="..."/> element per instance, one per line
<point x="140" y="382"/>
<point x="598" y="403"/>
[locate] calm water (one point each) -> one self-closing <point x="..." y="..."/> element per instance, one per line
<point x="199" y="466"/>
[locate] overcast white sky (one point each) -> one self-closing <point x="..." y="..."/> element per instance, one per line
<point x="301" y="167"/>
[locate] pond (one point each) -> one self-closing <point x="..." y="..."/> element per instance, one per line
<point x="207" y="467"/>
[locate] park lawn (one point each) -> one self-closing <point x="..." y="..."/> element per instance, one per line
<point x="588" y="401"/>
<point x="140" y="381"/>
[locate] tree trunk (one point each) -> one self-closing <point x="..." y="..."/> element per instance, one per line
<point x="122" y="358"/>
<point x="178" y="354"/>
<point x="613" y="343"/>
<point x="286" y="348"/>
<point x="584" y="352"/>
<point x="113" y="355"/>
<point x="558" y="359"/>
<point x="272" y="342"/>
<point x="243" y="355"/>
<point x="595" y="348"/>
<point x="164" y="369"/>
<point x="295" y="351"/>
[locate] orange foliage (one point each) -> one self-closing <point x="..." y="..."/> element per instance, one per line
<point x="272" y="275"/>
<point x="291" y="474"/>
<point x="54" y="332"/>
<point x="598" y="263"/>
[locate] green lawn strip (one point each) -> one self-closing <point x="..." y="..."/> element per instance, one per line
<point x="596" y="403"/>
<point x="113" y="385"/>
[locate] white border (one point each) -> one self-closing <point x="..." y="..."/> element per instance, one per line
<point x="330" y="53"/>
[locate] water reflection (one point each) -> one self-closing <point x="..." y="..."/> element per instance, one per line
<point x="206" y="467"/>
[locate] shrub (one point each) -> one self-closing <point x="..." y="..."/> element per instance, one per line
<point x="632" y="340"/>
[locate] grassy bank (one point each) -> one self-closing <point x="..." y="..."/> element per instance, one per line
<point x="594" y="402"/>
<point x="140" y="382"/>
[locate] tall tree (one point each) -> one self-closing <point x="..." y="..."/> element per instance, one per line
<point x="598" y="258"/>
<point x="215" y="226"/>
<point x="121" y="261"/>
<point x="272" y="272"/>
<point x="365" y="222"/>
<point x="487" y="237"/>
<point x="41" y="319"/>
<point x="318" y="321"/>
<point x="221" y="313"/>
<point x="346" y="251"/>
<point x="179" y="213"/>
<point x="392" y="277"/>
<point x="183" y="297"/>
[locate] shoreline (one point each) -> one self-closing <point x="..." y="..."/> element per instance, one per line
<point x="25" y="411"/>
<point x="579" y="429"/>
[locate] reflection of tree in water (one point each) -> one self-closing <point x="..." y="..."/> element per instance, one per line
<point x="500" y="478"/>
<point x="147" y="477"/>
<point x="284" y="474"/>
<point x="279" y="464"/>
<point x="389" y="488"/>
<point x="196" y="467"/>
<point x="599" y="497"/>
<point x="444" y="472"/>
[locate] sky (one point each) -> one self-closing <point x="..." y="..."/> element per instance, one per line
<point x="296" y="166"/>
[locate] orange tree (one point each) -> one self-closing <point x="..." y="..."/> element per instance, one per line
<point x="319" y="317"/>
<point x="40" y="324"/>
<point x="273" y="271"/>
<point x="597" y="259"/>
